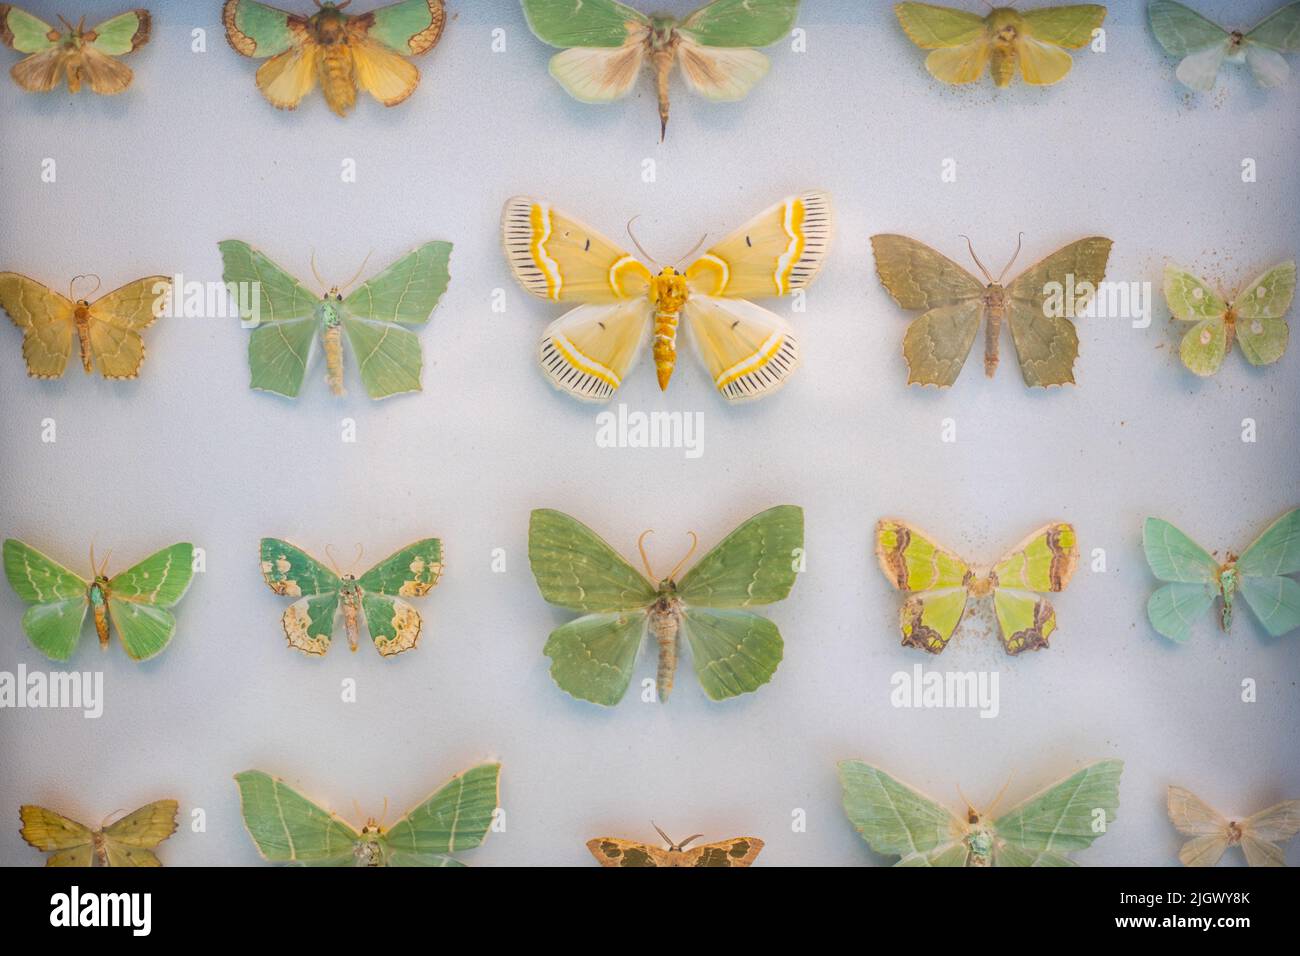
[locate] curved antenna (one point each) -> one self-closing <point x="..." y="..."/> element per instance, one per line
<point x="1019" y="243"/>
<point x="361" y="549"/>
<point x="694" y="249"/>
<point x="345" y="285"/>
<point x="319" y="281"/>
<point x="636" y="242"/>
<point x="971" y="247"/>
<point x="64" y="21"/>
<point x="1000" y="793"/>
<point x="93" y="566"/>
<point x="666" y="837"/>
<point x="329" y="556"/>
<point x="695" y="541"/>
<point x="970" y="807"/>
<point x="85" y="275"/>
<point x="645" y="562"/>
<point x="112" y="813"/>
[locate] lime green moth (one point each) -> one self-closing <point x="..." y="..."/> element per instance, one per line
<point x="135" y="601"/>
<point x="376" y="319"/>
<point x="734" y="651"/>
<point x="289" y="828"/>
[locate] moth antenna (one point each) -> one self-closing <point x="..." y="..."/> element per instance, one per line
<point x="345" y="3"/>
<point x="85" y="275"/>
<point x="977" y="259"/>
<point x="966" y="800"/>
<point x="1014" y="257"/>
<point x="319" y="281"/>
<point x="104" y="822"/>
<point x="667" y="838"/>
<point x="689" y="840"/>
<point x="329" y="555"/>
<point x="363" y="262"/>
<point x="640" y="248"/>
<point x="1000" y="793"/>
<point x="695" y="540"/>
<point x="81" y="25"/>
<point x="107" y="557"/>
<point x="384" y="817"/>
<point x="694" y="249"/>
<point x="65" y="22"/>
<point x="361" y="549"/>
<point x="93" y="566"/>
<point x="645" y="562"/>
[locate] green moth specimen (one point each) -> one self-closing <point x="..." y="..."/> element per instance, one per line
<point x="1196" y="579"/>
<point x="83" y="56"/>
<point x="289" y="828"/>
<point x="1037" y="306"/>
<point x="609" y="42"/>
<point x="1254" y="319"/>
<point x="734" y="651"/>
<point x="896" y="820"/>
<point x="135" y="601"/>
<point x="376" y="319"/>
<point x="377" y="595"/>
<point x="1204" y="46"/>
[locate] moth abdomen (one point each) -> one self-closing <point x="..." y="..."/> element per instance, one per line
<point x="333" y="339"/>
<point x="665" y="625"/>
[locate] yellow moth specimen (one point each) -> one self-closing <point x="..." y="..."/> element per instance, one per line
<point x="128" y="842"/>
<point x="615" y="852"/>
<point x="1212" y="833"/>
<point x="107" y="331"/>
<point x="747" y="350"/>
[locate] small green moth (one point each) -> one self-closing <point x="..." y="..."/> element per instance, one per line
<point x="896" y="820"/>
<point x="608" y="42"/>
<point x="81" y="55"/>
<point x="734" y="651"/>
<point x="393" y="624"/>
<point x="375" y="318"/>
<point x="1204" y="46"/>
<point x="1254" y="319"/>
<point x="289" y="828"/>
<point x="135" y="601"/>
<point x="1196" y="579"/>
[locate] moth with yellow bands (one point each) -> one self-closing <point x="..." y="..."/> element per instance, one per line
<point x="939" y="584"/>
<point x="748" y="351"/>
<point x="614" y="852"/>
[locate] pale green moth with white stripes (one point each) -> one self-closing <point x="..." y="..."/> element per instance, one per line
<point x="289" y="828"/>
<point x="896" y="820"/>
<point x="1203" y="46"/>
<point x="734" y="651"/>
<point x="135" y="601"/>
<point x="376" y="319"/>
<point x="1196" y="579"/>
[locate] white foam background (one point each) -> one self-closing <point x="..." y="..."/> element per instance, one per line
<point x="151" y="180"/>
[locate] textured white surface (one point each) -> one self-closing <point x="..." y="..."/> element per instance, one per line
<point x="151" y="180"/>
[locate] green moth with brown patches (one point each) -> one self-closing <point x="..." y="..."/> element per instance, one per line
<point x="1254" y="318"/>
<point x="939" y="584"/>
<point x="614" y="852"/>
<point x="954" y="304"/>
<point x="375" y="597"/>
<point x="734" y="651"/>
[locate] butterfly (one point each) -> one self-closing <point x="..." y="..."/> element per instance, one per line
<point x="611" y="41"/>
<point x="106" y="330"/>
<point x="377" y="595"/>
<point x="1258" y="835"/>
<point x="939" y="584"/>
<point x="748" y="350"/>
<point x="955" y="302"/>
<point x="136" y="600"/>
<point x="79" y="54"/>
<point x="339" y="50"/>
<point x="128" y="842"/>
<point x="289" y="828"/>
<point x="1204" y="46"/>
<point x="738" y="851"/>
<point x="734" y="651"/>
<point x="896" y="820"/>
<point x="1253" y="318"/>
<point x="1196" y="579"/>
<point x="286" y="318"/>
<point x="964" y="43"/>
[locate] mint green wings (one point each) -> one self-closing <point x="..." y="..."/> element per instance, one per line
<point x="894" y="819"/>
<point x="286" y="827"/>
<point x="137" y="600"/>
<point x="58" y="598"/>
<point x="1254" y="319"/>
<point x="747" y="23"/>
<point x="24" y="32"/>
<point x="1262" y="575"/>
<point x="122" y="33"/>
<point x="457" y="817"/>
<point x="1204" y="46"/>
<point x="406" y="293"/>
<point x="1066" y="816"/>
<point x="570" y="23"/>
<point x="576" y="569"/>
<point x="1193" y="574"/>
<point x="409" y="27"/>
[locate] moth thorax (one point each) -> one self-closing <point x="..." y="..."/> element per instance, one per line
<point x="1234" y="833"/>
<point x="980" y="844"/>
<point x="663" y="33"/>
<point x="668" y="290"/>
<point x="980" y="585"/>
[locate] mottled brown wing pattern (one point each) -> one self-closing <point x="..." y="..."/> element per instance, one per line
<point x="738" y="851"/>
